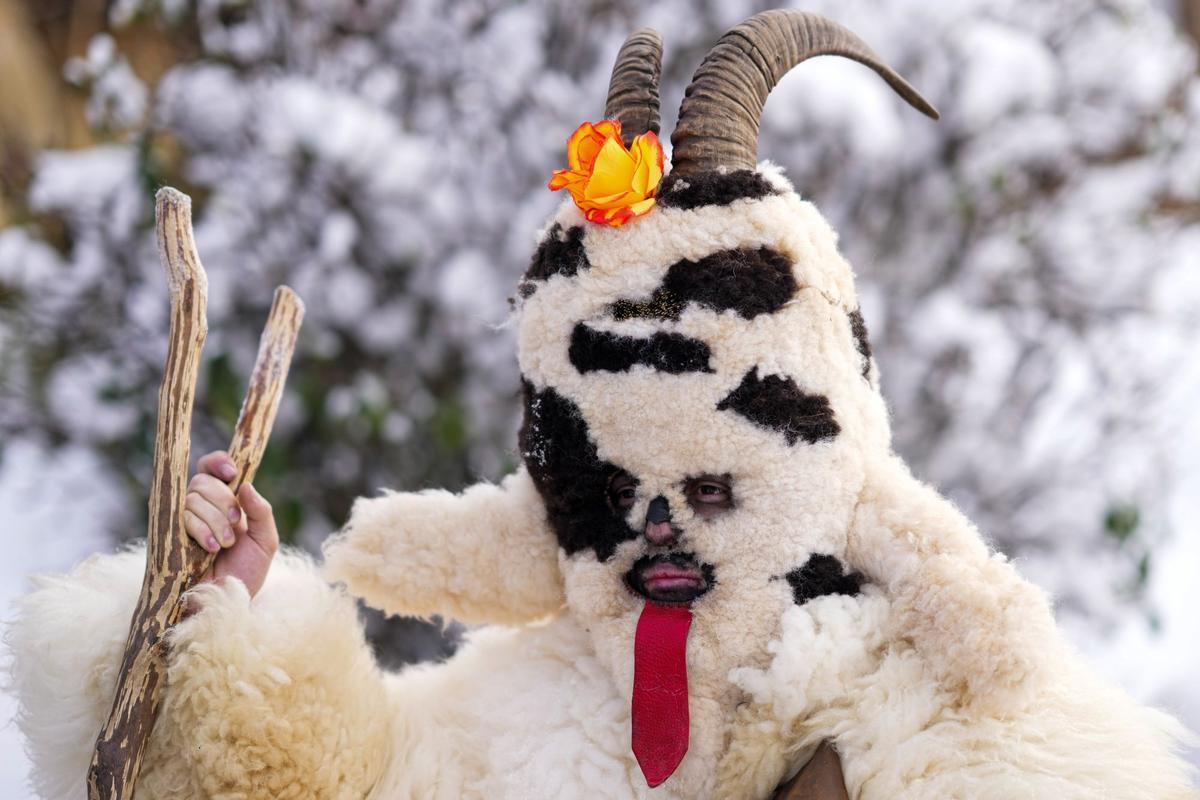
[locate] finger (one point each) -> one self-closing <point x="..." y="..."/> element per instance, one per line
<point x="217" y="463"/>
<point x="212" y="516"/>
<point x="217" y="493"/>
<point x="198" y="529"/>
<point x="259" y="517"/>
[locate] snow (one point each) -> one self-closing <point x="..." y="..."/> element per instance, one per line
<point x="116" y="98"/>
<point x="76" y="398"/>
<point x="1008" y="70"/>
<point x="85" y="181"/>
<point x="27" y="262"/>
<point x="205" y="102"/>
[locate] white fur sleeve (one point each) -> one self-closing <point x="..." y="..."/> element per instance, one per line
<point x="65" y="647"/>
<point x="277" y="694"/>
<point x="984" y="629"/>
<point x="484" y="556"/>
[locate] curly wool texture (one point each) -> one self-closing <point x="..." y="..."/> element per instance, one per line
<point x="748" y="281"/>
<point x="601" y="351"/>
<point x="66" y="642"/>
<point x="986" y="633"/>
<point x="714" y="189"/>
<point x="560" y="253"/>
<point x="279" y="697"/>
<point x="821" y="575"/>
<point x="271" y="699"/>
<point x="286" y="685"/>
<point x="569" y="476"/>
<point x="780" y="405"/>
<point x="437" y="553"/>
<point x="840" y="666"/>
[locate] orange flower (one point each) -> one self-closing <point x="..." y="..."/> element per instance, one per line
<point x="609" y="183"/>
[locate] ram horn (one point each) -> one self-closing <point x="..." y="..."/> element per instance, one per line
<point x="633" y="89"/>
<point x="718" y="120"/>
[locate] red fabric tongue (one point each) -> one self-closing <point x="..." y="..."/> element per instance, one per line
<point x="660" y="690"/>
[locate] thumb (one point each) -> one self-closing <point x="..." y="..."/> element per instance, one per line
<point x="260" y="520"/>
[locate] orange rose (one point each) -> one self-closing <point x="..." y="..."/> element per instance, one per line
<point x="609" y="183"/>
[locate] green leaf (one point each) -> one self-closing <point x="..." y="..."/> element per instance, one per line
<point x="1121" y="522"/>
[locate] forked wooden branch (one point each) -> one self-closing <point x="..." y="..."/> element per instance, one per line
<point x="257" y="416"/>
<point x="173" y="561"/>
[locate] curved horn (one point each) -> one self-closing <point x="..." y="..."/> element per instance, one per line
<point x="718" y="120"/>
<point x="633" y="89"/>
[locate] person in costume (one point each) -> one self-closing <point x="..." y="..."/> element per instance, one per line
<point x="710" y="562"/>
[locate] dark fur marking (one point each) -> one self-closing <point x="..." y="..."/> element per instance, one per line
<point x="713" y="189"/>
<point x="600" y="351"/>
<point x="558" y="254"/>
<point x="779" y="404"/>
<point x="822" y="575"/>
<point x="750" y="281"/>
<point x="859" y="328"/>
<point x="569" y="475"/>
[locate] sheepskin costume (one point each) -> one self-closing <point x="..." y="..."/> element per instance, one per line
<point x="839" y="598"/>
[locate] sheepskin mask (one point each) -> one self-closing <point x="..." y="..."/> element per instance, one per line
<point x="713" y="341"/>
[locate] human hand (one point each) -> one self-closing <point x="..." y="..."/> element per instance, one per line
<point x="240" y="529"/>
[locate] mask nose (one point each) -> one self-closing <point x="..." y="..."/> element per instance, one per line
<point x="658" y="522"/>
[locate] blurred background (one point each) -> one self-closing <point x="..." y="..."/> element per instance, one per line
<point x="1029" y="267"/>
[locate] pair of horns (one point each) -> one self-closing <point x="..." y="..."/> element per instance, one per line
<point x="718" y="120"/>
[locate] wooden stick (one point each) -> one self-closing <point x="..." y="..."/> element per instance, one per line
<point x="275" y="348"/>
<point x="174" y="562"/>
<point x="119" y="748"/>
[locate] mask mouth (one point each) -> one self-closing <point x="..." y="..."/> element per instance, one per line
<point x="671" y="579"/>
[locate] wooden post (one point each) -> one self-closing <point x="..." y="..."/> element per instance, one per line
<point x="173" y="561"/>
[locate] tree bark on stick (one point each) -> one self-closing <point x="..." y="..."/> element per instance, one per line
<point x="121" y="743"/>
<point x="173" y="561"/>
<point x="275" y="348"/>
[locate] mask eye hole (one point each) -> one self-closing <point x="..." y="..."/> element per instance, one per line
<point x="709" y="495"/>
<point x="622" y="491"/>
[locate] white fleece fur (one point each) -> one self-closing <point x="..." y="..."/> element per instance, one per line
<point x="434" y="552"/>
<point x="66" y="644"/>
<point x="844" y="668"/>
<point x="987" y="634"/>
<point x="278" y="697"/>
